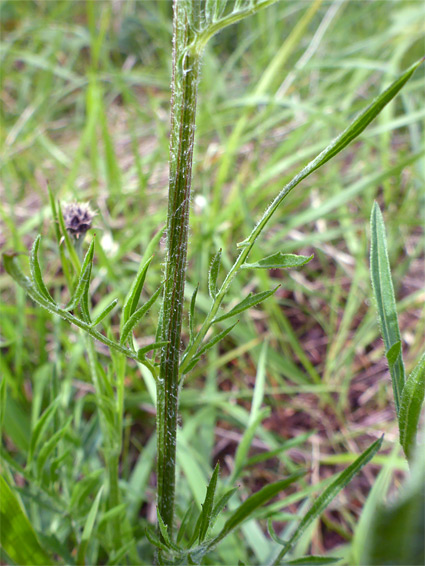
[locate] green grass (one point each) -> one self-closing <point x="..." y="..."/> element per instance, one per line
<point x="85" y="94"/>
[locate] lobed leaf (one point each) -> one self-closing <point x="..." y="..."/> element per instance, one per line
<point x="279" y="260"/>
<point x="323" y="500"/>
<point x="411" y="403"/>
<point x="385" y="300"/>
<point x="137" y="316"/>
<point x="133" y="296"/>
<point x="213" y="274"/>
<point x="36" y="271"/>
<point x="17" y="536"/>
<point x="247" y="303"/>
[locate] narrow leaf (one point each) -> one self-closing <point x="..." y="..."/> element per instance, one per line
<point x="216" y="339"/>
<point x="337" y="145"/>
<point x="192" y="315"/>
<point x="41" y="426"/>
<point x="104" y="313"/>
<point x="385" y="300"/>
<point x="83" y="279"/>
<point x="153" y="539"/>
<point x="213" y="274"/>
<point x="221" y="504"/>
<point x="69" y="246"/>
<point x="88" y="528"/>
<point x="164" y="533"/>
<point x="50" y="445"/>
<point x="321" y="502"/>
<point x="393" y="353"/>
<point x="207" y="507"/>
<point x="36" y="271"/>
<point x="279" y="261"/>
<point x="64" y="260"/>
<point x="412" y="400"/>
<point x="312" y="561"/>
<point x="247" y="303"/>
<point x="154" y="346"/>
<point x="137" y="316"/>
<point x="245" y="443"/>
<point x="133" y="296"/>
<point x="17" y="536"/>
<point x="252" y="503"/>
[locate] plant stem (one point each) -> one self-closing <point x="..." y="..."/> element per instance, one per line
<point x="186" y="66"/>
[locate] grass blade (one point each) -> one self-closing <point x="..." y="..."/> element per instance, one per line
<point x="411" y="403"/>
<point x="329" y="494"/>
<point x="17" y="536"/>
<point x="88" y="528"/>
<point x="385" y="300"/>
<point x="247" y="303"/>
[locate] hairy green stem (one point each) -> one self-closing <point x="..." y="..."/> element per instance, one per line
<point x="186" y="64"/>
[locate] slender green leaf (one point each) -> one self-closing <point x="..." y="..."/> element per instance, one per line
<point x="50" y="445"/>
<point x="192" y="315"/>
<point x="337" y="145"/>
<point x="245" y="510"/>
<point x="245" y="443"/>
<point x="393" y="353"/>
<point x="279" y="261"/>
<point x="321" y="502"/>
<point x="40" y="427"/>
<point x="153" y="539"/>
<point x="247" y="303"/>
<point x="17" y="536"/>
<point x="213" y="274"/>
<point x="68" y="243"/>
<point x="36" y="271"/>
<point x="411" y="403"/>
<point x="133" y="296"/>
<point x="12" y="267"/>
<point x="104" y="313"/>
<point x="83" y="279"/>
<point x="64" y="260"/>
<point x="137" y="316"/>
<point x="3" y="397"/>
<point x="221" y="504"/>
<point x="154" y="346"/>
<point x="385" y="300"/>
<point x="207" y="507"/>
<point x="215" y="339"/>
<point x="396" y="532"/>
<point x="88" y="528"/>
<point x="191" y="364"/>
<point x="164" y="533"/>
<point x="312" y="561"/>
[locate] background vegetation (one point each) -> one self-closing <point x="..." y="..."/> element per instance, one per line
<point x="85" y="95"/>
